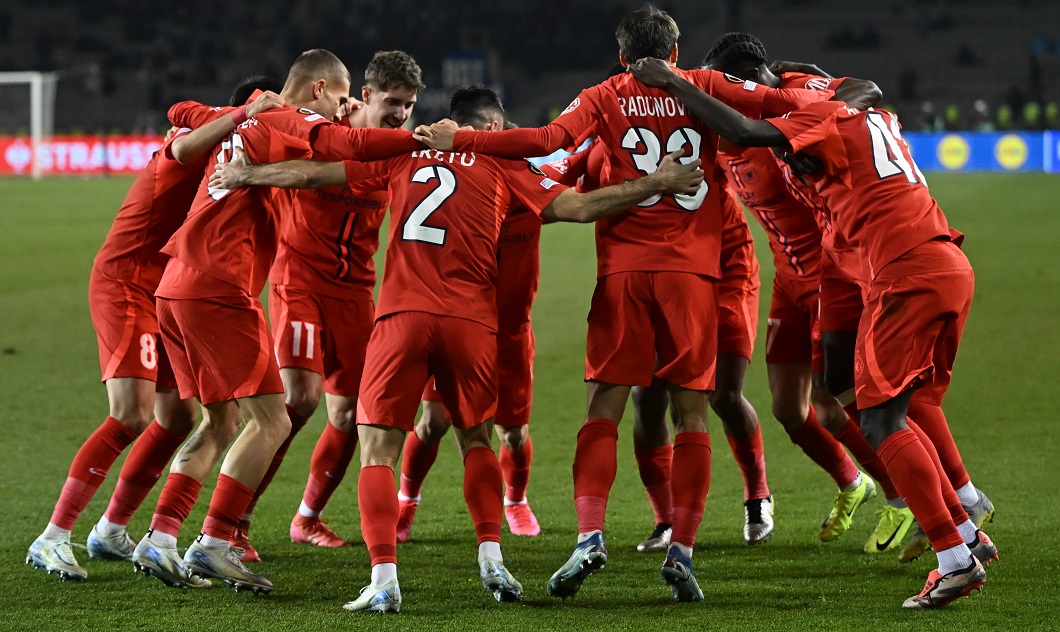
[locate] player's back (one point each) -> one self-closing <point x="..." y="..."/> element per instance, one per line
<point x="877" y="195"/>
<point x="446" y="213"/>
<point x="636" y="127"/>
<point x="231" y="235"/>
<point x="154" y="208"/>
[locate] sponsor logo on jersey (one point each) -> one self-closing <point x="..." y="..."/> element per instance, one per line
<point x="818" y="83"/>
<point x="534" y="169"/>
<point x="573" y="106"/>
<point x="733" y="79"/>
<point x="310" y="115"/>
<point x="548" y="183"/>
<point x="560" y="166"/>
<point x="749" y="86"/>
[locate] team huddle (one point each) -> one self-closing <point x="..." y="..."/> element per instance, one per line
<point x="289" y="185"/>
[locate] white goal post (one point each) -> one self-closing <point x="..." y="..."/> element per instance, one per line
<point x="41" y="87"/>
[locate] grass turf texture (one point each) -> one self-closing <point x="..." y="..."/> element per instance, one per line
<point x="1001" y="407"/>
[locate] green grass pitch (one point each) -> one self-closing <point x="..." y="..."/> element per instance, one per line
<point x="1002" y="409"/>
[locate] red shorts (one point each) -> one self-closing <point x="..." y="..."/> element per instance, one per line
<point x="912" y="325"/>
<point x="842" y="296"/>
<point x="738" y="305"/>
<point x="793" y="336"/>
<point x="221" y="348"/>
<point x="515" y="377"/>
<point x="406" y="348"/>
<point x="126" y="324"/>
<point x="638" y="316"/>
<point x="322" y="334"/>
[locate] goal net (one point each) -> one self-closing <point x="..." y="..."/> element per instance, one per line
<point x="27" y="116"/>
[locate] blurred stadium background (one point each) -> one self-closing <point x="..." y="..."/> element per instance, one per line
<point x="944" y="65"/>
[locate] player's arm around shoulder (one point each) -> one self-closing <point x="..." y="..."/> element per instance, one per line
<point x="291" y="174"/>
<point x="193" y="146"/>
<point x="729" y="123"/>
<point x="671" y="177"/>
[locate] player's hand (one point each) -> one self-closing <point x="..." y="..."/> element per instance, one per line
<point x="349" y="107"/>
<point x="231" y="174"/>
<point x="266" y="101"/>
<point x="170" y="132"/>
<point x="652" y="72"/>
<point x="438" y="136"/>
<point x="680" y="178"/>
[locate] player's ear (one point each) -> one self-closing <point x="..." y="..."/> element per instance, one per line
<point x="318" y="88"/>
<point x="622" y="60"/>
<point x="673" y="54"/>
<point x="366" y="94"/>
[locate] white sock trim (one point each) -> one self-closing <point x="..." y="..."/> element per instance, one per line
<point x="54" y="532"/>
<point x="582" y="537"/>
<point x="954" y="559"/>
<point x="967" y="495"/>
<point x="490" y="550"/>
<point x="967" y="530"/>
<point x="211" y="542"/>
<point x="403" y="497"/>
<point x="306" y="512"/>
<point x="854" y="484"/>
<point x="512" y="503"/>
<point x="383" y="573"/>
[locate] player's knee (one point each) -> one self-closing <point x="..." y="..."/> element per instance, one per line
<point x="726" y="403"/>
<point x="790" y="413"/>
<point x="344" y="419"/>
<point x="178" y="417"/>
<point x="432" y="426"/>
<point x="476" y="437"/>
<point x="877" y="425"/>
<point x="303" y="402"/>
<point x="513" y="437"/>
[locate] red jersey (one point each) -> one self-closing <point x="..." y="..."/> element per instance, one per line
<point x="637" y="126"/>
<point x="446" y="211"/>
<point x="328" y="245"/>
<point x="878" y="198"/>
<point x="228" y="242"/>
<point x="154" y="208"/>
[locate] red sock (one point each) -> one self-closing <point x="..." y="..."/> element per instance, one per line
<point x="229" y="503"/>
<point x="851" y="437"/>
<point x="174" y="503"/>
<point x="690" y="483"/>
<point x="141" y="471"/>
<point x="377" y="502"/>
<point x="483" y="488"/>
<point x="824" y="450"/>
<point x="916" y="479"/>
<point x="654" y="467"/>
<point x="932" y="421"/>
<point x="331" y="457"/>
<point x="595" y="466"/>
<point x="297" y="423"/>
<point x="515" y="466"/>
<point x="949" y="496"/>
<point x="415" y="464"/>
<point x="750" y="455"/>
<point x="89" y="470"/>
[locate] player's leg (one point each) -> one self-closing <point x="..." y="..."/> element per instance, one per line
<point x="131" y="401"/>
<point x="244" y="467"/>
<point x="686" y="341"/>
<point x="331" y="458"/>
<point x="378" y="506"/>
<point x="419" y="454"/>
<point x="395" y="372"/>
<point x="174" y="420"/>
<point x="515" y="367"/>
<point x="932" y="287"/>
<point x="124" y="317"/>
<point x="743" y="432"/>
<point x="344" y="344"/>
<point x="297" y="317"/>
<point x="654" y="451"/>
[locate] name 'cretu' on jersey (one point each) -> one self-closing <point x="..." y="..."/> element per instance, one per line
<point x="466" y="159"/>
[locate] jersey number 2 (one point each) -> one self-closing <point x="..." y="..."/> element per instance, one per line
<point x="415" y="228"/>
<point x="228" y="150"/>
